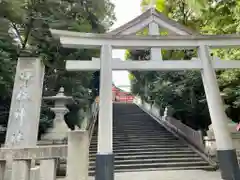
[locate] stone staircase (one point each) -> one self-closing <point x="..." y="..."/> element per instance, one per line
<point x="141" y="144"/>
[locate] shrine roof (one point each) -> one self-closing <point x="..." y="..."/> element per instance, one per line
<point x="154" y="16"/>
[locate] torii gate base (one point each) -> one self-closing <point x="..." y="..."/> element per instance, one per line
<point x="104" y="167"/>
<point x="228" y="164"/>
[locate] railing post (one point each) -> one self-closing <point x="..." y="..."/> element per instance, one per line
<point x="78" y="155"/>
<point x="35" y="173"/>
<point x="22" y="173"/>
<point x="48" y="169"/>
<point x="2" y="170"/>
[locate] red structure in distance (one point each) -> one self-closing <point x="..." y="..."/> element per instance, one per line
<point x="120" y="95"/>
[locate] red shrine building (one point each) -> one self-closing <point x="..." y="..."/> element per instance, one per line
<point x="120" y="95"/>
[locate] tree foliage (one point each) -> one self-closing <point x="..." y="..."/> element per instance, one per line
<point x="183" y="91"/>
<point x="25" y="30"/>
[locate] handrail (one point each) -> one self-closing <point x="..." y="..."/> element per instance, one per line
<point x="92" y="122"/>
<point x="195" y="137"/>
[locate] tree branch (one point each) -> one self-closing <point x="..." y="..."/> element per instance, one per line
<point x="27" y="33"/>
<point x="17" y="31"/>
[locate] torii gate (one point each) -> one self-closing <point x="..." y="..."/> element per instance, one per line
<point x="121" y="38"/>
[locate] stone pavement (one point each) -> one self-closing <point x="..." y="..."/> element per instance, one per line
<point x="167" y="175"/>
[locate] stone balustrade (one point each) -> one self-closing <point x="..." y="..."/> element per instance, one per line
<point x="205" y="144"/>
<point x="76" y="153"/>
<point x="193" y="136"/>
<point x="210" y="142"/>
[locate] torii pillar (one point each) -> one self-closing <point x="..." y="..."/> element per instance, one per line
<point x="226" y="153"/>
<point x="105" y="157"/>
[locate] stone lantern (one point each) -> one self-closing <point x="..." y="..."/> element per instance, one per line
<point x="60" y="128"/>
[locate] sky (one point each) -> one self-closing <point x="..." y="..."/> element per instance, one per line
<point x="125" y="10"/>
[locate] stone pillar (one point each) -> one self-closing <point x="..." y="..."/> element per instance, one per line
<point x="25" y="108"/>
<point x="105" y="157"/>
<point x="48" y="169"/>
<point x="225" y="151"/>
<point x="156" y="53"/>
<point x="78" y="155"/>
<point x="20" y="170"/>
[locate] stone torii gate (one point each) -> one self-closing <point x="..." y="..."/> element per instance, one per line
<point x="122" y="38"/>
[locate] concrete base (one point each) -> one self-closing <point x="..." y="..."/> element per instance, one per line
<point x="104" y="167"/>
<point x="228" y="164"/>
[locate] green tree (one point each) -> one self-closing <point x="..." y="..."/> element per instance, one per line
<point x="183" y="91"/>
<point x="25" y="30"/>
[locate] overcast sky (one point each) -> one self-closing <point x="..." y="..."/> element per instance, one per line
<point x="125" y="11"/>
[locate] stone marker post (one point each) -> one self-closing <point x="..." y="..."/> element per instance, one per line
<point x="24" y="114"/>
<point x="78" y="155"/>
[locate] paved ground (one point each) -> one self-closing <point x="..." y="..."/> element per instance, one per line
<point x="167" y="175"/>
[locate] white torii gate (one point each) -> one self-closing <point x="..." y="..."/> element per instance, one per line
<point x="120" y="39"/>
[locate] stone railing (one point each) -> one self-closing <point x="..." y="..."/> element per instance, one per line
<point x="210" y="142"/>
<point x="92" y="119"/>
<point x="192" y="136"/>
<point x="76" y="152"/>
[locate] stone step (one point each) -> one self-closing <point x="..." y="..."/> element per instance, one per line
<point x="143" y="156"/>
<point x="141" y="140"/>
<point x="137" y="143"/>
<point x="140" y="146"/>
<point x="157" y="165"/>
<point x="137" y="113"/>
<point x="206" y="168"/>
<point x="140" y="137"/>
<point x="142" y="133"/>
<point x="143" y="149"/>
<point x="133" y="135"/>
<point x="154" y="160"/>
<point x="135" y="121"/>
<point x="62" y="170"/>
<point x="134" y="124"/>
<point x="137" y="125"/>
<point x="140" y="130"/>
<point x="140" y="153"/>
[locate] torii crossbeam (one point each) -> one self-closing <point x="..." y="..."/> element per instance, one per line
<point x="169" y="65"/>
